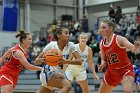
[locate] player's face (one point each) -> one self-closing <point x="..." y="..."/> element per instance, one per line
<point x="28" y="41"/>
<point x="65" y="35"/>
<point x="83" y="39"/>
<point x="105" y="29"/>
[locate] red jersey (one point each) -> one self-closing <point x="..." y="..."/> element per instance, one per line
<point x="115" y="56"/>
<point x="13" y="64"/>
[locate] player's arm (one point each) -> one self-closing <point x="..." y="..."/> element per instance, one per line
<point x="20" y="56"/>
<point x="91" y="63"/>
<point x="123" y="42"/>
<point x="103" y="63"/>
<point x="70" y="56"/>
<point x="76" y="61"/>
<point x="39" y="59"/>
<point x="6" y="55"/>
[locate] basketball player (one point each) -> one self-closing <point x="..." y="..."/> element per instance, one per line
<point x="17" y="59"/>
<point x="79" y="71"/>
<point x="51" y="76"/>
<point x="113" y="54"/>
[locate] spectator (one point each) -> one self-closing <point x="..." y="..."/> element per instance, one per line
<point x="94" y="44"/>
<point x="85" y="24"/>
<point x="138" y="14"/>
<point x="111" y="13"/>
<point x="131" y="18"/>
<point x="138" y="53"/>
<point x="123" y="25"/>
<point x="76" y="27"/>
<point x="118" y="14"/>
<point x="36" y="51"/>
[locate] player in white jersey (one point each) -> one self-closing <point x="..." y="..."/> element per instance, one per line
<point x="52" y="76"/>
<point x="78" y="72"/>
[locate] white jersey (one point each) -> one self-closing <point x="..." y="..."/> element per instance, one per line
<point x="84" y="56"/>
<point x="66" y="51"/>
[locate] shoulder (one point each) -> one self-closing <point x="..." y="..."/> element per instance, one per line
<point x="120" y="38"/>
<point x="71" y="44"/>
<point x="53" y="42"/>
<point x="18" y="52"/>
<point x="76" y="45"/>
<point x="89" y="49"/>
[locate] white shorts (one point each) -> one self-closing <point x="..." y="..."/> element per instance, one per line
<point x="44" y="77"/>
<point x="79" y="75"/>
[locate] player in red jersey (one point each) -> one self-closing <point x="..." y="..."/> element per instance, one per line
<point x="114" y="56"/>
<point x="17" y="59"/>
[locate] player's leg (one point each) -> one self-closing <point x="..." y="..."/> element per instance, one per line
<point x="128" y="79"/>
<point x="104" y="88"/>
<point x="6" y="83"/>
<point x="58" y="81"/>
<point x="43" y="89"/>
<point x="84" y="86"/>
<point x="81" y="79"/>
<point x="108" y="83"/>
<point x="66" y="86"/>
<point x="7" y="88"/>
<point x="128" y="83"/>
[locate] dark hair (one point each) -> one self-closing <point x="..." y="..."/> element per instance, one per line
<point x="55" y="29"/>
<point x="22" y="35"/>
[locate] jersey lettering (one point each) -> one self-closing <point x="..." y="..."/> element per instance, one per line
<point x="112" y="58"/>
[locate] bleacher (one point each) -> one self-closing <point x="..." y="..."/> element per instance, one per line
<point x="28" y="82"/>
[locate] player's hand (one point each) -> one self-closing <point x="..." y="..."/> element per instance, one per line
<point x="100" y="67"/>
<point x="61" y="62"/>
<point x="99" y="31"/>
<point x="0" y="60"/>
<point x="137" y="44"/>
<point x="40" y="60"/>
<point x="96" y="77"/>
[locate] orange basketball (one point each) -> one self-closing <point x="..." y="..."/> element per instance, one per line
<point x="52" y="57"/>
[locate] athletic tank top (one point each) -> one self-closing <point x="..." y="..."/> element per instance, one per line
<point x="84" y="56"/>
<point x="115" y="56"/>
<point x="13" y="64"/>
<point x="70" y="47"/>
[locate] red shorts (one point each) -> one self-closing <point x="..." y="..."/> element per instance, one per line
<point x="113" y="77"/>
<point x="8" y="78"/>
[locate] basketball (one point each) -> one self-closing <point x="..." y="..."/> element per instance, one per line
<point x="52" y="57"/>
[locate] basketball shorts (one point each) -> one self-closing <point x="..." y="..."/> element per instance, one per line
<point x="8" y="78"/>
<point x="44" y="76"/>
<point x="79" y="75"/>
<point x="113" y="77"/>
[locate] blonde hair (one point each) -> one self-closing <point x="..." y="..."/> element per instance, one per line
<point x="110" y="23"/>
<point x="83" y="33"/>
<point x="53" y="28"/>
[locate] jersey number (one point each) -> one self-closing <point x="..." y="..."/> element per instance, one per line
<point x="113" y="58"/>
